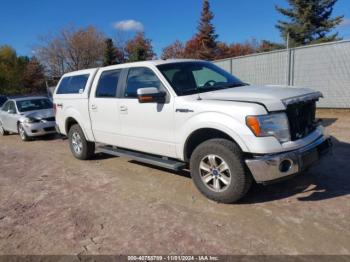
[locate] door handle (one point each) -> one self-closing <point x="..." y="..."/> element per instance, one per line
<point x="93" y="107"/>
<point x="123" y="108"/>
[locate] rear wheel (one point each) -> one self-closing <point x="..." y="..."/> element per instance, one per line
<point x="80" y="147"/>
<point x="219" y="172"/>
<point x="3" y="132"/>
<point x="22" y="133"/>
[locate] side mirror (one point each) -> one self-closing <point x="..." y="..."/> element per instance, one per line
<point x="150" y="95"/>
<point x="11" y="111"/>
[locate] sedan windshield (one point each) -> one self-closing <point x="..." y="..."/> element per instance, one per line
<point x="189" y="78"/>
<point x="33" y="104"/>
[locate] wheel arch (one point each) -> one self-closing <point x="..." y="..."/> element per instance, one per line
<point x="69" y="122"/>
<point x="200" y="135"/>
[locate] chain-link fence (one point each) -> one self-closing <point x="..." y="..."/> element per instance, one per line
<point x="323" y="67"/>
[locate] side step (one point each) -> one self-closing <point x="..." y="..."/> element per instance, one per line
<point x="142" y="157"/>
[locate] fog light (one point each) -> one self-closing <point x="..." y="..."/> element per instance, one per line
<point x="285" y="165"/>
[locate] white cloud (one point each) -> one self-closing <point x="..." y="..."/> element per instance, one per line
<point x="345" y="22"/>
<point x="128" y="25"/>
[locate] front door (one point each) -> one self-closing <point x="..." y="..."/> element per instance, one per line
<point x="146" y="127"/>
<point x="103" y="107"/>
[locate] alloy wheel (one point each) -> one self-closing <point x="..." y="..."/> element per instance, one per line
<point x="215" y="173"/>
<point x="22" y="132"/>
<point x="77" y="143"/>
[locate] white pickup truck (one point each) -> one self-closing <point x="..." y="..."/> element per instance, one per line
<point x="182" y="114"/>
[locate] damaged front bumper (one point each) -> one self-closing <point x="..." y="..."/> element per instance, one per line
<point x="268" y="168"/>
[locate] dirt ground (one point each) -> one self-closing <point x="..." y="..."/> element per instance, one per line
<point x="51" y="203"/>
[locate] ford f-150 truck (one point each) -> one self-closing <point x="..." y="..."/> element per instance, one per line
<point x="181" y="114"/>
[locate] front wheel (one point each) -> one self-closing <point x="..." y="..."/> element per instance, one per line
<point x="80" y="147"/>
<point x="219" y="172"/>
<point x="22" y="133"/>
<point x="3" y="132"/>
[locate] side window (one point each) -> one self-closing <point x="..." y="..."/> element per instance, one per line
<point x="107" y="85"/>
<point x="73" y="84"/>
<point x="12" y="106"/>
<point x="140" y="77"/>
<point x="6" y="106"/>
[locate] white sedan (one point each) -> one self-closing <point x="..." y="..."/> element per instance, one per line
<point x="27" y="116"/>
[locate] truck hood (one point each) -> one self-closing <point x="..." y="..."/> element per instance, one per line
<point x="274" y="98"/>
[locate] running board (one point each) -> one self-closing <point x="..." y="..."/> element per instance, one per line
<point x="142" y="157"/>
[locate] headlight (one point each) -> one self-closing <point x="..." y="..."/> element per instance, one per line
<point x="30" y="120"/>
<point x="270" y="125"/>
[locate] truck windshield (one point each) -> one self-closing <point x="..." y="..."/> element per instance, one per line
<point x="189" y="78"/>
<point x="33" y="104"/>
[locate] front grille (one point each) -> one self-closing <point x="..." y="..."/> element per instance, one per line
<point x="49" y="129"/>
<point x="301" y="117"/>
<point x="50" y="119"/>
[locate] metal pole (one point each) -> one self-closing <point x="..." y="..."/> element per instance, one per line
<point x="288" y="61"/>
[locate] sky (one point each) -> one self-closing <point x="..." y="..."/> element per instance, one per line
<point x="23" y="22"/>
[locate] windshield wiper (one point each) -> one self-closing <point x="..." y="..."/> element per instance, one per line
<point x="234" y="85"/>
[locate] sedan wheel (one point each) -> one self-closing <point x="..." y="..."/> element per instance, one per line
<point x="22" y="133"/>
<point x="2" y="130"/>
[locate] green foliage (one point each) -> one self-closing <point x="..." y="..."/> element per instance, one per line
<point x="11" y="70"/>
<point x="110" y="54"/>
<point x="310" y="21"/>
<point x="15" y="73"/>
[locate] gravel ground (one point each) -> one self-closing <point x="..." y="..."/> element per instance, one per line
<point x="51" y="203"/>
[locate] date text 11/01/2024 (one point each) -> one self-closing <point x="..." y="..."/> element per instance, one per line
<point x="173" y="258"/>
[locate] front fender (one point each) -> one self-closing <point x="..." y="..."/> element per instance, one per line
<point x="219" y="121"/>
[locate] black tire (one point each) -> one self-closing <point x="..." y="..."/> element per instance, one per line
<point x="22" y="133"/>
<point x="237" y="172"/>
<point x="87" y="149"/>
<point x="3" y="132"/>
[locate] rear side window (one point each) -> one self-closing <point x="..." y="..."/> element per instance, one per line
<point x="108" y="83"/>
<point x="73" y="84"/>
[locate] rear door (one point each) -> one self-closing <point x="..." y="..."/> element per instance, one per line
<point x="103" y="106"/>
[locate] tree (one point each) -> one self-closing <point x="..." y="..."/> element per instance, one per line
<point x="34" y="77"/>
<point x="175" y="50"/>
<point x="112" y="54"/>
<point x="72" y="49"/>
<point x="110" y="57"/>
<point x="235" y="49"/>
<point x="310" y="21"/>
<point x="11" y="70"/>
<point x="266" y="46"/>
<point x="139" y="48"/>
<point x="205" y="39"/>
<point x="192" y="48"/>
